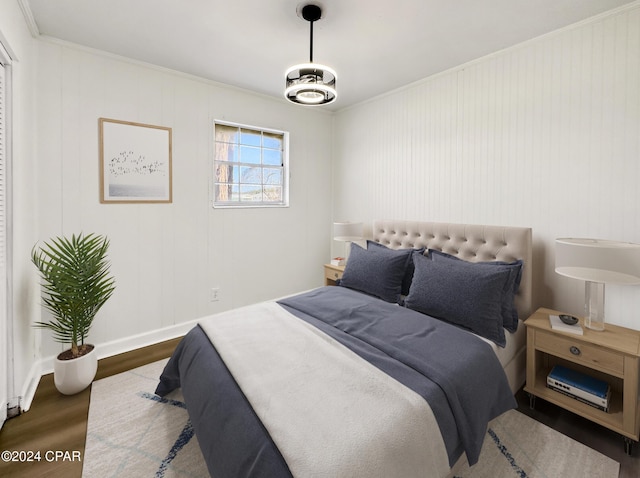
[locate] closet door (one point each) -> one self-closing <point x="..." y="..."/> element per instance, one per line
<point x="6" y="361"/>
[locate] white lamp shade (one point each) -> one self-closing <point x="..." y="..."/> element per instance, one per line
<point x="347" y="231"/>
<point x="596" y="260"/>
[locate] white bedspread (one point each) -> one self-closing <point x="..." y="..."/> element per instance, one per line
<point x="329" y="412"/>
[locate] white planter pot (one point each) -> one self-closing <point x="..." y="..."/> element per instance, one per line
<point x="73" y="376"/>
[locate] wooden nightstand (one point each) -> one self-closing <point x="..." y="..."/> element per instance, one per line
<point x="332" y="274"/>
<point x="612" y="355"/>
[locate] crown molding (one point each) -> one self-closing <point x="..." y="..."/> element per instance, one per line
<point x="25" y="6"/>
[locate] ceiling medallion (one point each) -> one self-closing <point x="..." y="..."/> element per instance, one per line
<point x="311" y="83"/>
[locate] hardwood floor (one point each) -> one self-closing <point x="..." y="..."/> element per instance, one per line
<point x="59" y="422"/>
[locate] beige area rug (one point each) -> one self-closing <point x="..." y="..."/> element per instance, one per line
<point x="134" y="433"/>
<point x="131" y="432"/>
<point x="518" y="446"/>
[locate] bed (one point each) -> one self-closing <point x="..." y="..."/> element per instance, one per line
<point x="396" y="372"/>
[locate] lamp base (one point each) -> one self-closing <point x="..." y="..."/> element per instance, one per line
<point x="594" y="306"/>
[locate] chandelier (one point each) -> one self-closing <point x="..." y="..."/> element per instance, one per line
<point x="311" y="83"/>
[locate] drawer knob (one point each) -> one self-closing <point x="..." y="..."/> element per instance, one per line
<point x="335" y="274"/>
<point x="574" y="350"/>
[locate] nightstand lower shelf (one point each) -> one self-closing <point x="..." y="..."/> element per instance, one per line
<point x="613" y="419"/>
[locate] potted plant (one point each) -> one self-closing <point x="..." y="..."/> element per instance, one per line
<point x="75" y="284"/>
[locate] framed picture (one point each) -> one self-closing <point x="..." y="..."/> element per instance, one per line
<point x="135" y="162"/>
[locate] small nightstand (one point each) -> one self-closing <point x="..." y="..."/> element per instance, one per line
<point x="612" y="355"/>
<point x="332" y="274"/>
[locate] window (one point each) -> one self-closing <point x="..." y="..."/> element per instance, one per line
<point x="250" y="166"/>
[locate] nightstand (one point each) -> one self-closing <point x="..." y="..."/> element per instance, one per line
<point x="332" y="274"/>
<point x="612" y="355"/>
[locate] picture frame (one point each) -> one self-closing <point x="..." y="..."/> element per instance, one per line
<point x="135" y="162"/>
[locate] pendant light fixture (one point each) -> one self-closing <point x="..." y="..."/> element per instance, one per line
<point x="311" y="83"/>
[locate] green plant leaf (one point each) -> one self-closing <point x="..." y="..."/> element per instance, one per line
<point x="76" y="283"/>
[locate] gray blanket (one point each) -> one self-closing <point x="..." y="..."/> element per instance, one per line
<point x="456" y="372"/>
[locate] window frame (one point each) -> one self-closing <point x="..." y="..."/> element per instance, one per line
<point x="239" y="204"/>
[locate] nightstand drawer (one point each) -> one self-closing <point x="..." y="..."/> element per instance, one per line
<point x="580" y="352"/>
<point x="332" y="274"/>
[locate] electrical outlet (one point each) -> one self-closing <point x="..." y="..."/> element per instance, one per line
<point x="214" y="294"/>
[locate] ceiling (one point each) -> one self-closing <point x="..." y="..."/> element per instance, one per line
<point x="375" y="46"/>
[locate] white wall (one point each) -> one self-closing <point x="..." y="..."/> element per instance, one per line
<point x="166" y="257"/>
<point x="544" y="134"/>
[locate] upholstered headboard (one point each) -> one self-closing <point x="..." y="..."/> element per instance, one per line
<point x="470" y="242"/>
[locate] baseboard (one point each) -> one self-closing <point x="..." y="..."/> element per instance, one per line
<point x="3" y="413"/>
<point x="107" y="349"/>
<point x="30" y="386"/>
<point x="127" y="344"/>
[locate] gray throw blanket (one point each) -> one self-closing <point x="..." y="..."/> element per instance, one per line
<point x="455" y="371"/>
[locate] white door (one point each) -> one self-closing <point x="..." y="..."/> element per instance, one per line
<point x="6" y="360"/>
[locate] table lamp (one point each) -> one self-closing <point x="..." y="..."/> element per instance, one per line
<point x="597" y="262"/>
<point x="347" y="232"/>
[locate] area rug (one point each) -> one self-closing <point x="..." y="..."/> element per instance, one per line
<point x="133" y="433"/>
<point x="518" y="446"/>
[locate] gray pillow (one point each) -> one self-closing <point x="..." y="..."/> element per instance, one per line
<point x="377" y="271"/>
<point x="509" y="310"/>
<point x="459" y="293"/>
<point x="408" y="274"/>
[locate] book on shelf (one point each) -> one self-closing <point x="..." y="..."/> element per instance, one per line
<point x="604" y="408"/>
<point x="557" y="324"/>
<point x="580" y="386"/>
<point x="337" y="261"/>
<point x="579" y="380"/>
